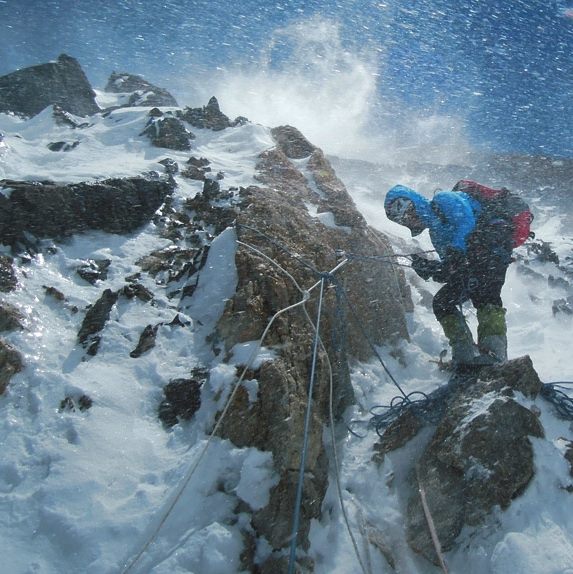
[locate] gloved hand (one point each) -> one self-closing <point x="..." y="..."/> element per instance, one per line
<point x="425" y="268"/>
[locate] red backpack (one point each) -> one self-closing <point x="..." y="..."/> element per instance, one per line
<point x="500" y="204"/>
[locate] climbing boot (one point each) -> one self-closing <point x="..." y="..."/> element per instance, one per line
<point x="492" y="333"/>
<point x="460" y="338"/>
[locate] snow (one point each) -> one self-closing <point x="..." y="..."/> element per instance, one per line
<point x="87" y="491"/>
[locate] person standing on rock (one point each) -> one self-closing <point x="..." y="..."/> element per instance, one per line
<point x="471" y="269"/>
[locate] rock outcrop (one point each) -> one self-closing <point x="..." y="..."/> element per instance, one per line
<point x="209" y="117"/>
<point x="479" y="457"/>
<point x="141" y="92"/>
<point x="63" y="83"/>
<point x="46" y="209"/>
<point x="279" y="220"/>
<point x="166" y="130"/>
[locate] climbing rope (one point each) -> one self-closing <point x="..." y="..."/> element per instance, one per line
<point x="428" y="407"/>
<point x="328" y="275"/>
<point x="298" y="501"/>
<point x="365" y="568"/>
<point x="131" y="563"/>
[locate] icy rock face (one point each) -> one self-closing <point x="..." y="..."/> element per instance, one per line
<point x="480" y="456"/>
<point x="283" y="208"/>
<point x="30" y="90"/>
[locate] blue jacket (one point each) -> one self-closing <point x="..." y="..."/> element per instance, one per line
<point x="450" y="217"/>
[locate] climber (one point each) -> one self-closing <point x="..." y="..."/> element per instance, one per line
<point x="472" y="264"/>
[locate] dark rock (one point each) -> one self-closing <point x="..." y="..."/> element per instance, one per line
<point x="63" y="146"/>
<point x="94" y="270"/>
<point x="292" y="143"/>
<point x="51" y="210"/>
<point x="95" y="320"/>
<point x="195" y="173"/>
<point x="170" y="165"/>
<point x="207" y="117"/>
<point x="72" y="403"/>
<point x="63" y="118"/>
<point x="172" y="263"/>
<point x="54" y="293"/>
<point x="543" y="251"/>
<point x="480" y="456"/>
<point x="8" y="279"/>
<point x="168" y="132"/>
<point x="196" y="168"/>
<point x="143" y="93"/>
<point x="569" y="456"/>
<point x="182" y="399"/>
<point x="558" y="282"/>
<point x="211" y="189"/>
<point x="201" y="162"/>
<point x="137" y="290"/>
<point x="30" y="90"/>
<point x="515" y="375"/>
<point x="10" y="364"/>
<point x="563" y="306"/>
<point x="10" y="317"/>
<point x="397" y="434"/>
<point x="146" y="341"/>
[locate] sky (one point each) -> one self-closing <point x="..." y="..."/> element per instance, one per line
<point x="492" y="74"/>
<point x="85" y="491"/>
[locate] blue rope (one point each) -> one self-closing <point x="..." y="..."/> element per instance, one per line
<point x="429" y="407"/>
<point x="298" y="502"/>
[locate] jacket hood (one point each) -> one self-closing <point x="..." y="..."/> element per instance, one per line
<point x="421" y="204"/>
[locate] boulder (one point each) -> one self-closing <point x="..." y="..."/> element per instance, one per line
<point x="95" y="320"/>
<point x="11" y="318"/>
<point x="479" y="457"/>
<point x="146" y="341"/>
<point x="182" y="398"/>
<point x="167" y="131"/>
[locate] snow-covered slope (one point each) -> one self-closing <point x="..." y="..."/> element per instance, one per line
<point x="85" y="491"/>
